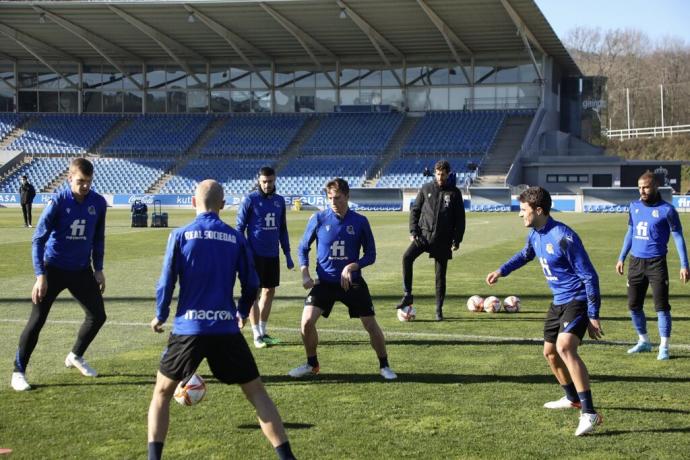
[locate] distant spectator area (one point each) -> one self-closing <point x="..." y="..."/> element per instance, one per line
<point x="163" y="135"/>
<point x="40" y="171"/>
<point x="8" y="122"/>
<point x="236" y="177"/>
<point x="352" y="134"/>
<point x="308" y="174"/>
<point x="64" y="134"/>
<point x="256" y="135"/>
<point x="409" y="172"/>
<point x="118" y="175"/>
<point x="447" y="133"/>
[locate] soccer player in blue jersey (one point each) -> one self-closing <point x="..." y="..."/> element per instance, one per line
<point x="67" y="251"/>
<point x="207" y="255"/>
<point x="339" y="233"/>
<point x="576" y="300"/>
<point x="650" y="223"/>
<point x="262" y="216"/>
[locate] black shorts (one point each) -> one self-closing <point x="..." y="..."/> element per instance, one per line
<point x="645" y="272"/>
<point x="357" y="298"/>
<point x="228" y="356"/>
<point x="570" y="317"/>
<point x="268" y="269"/>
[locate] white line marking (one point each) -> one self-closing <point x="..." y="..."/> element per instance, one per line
<point x="436" y="335"/>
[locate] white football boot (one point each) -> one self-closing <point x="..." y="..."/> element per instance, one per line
<point x="80" y="363"/>
<point x="563" y="403"/>
<point x="304" y="370"/>
<point x="19" y="382"/>
<point x="388" y="374"/>
<point x="587" y="423"/>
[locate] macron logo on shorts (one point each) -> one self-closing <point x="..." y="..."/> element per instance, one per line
<point x="212" y="315"/>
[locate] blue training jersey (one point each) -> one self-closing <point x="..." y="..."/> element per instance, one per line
<point x="70" y="235"/>
<point x="649" y="229"/>
<point x="338" y="243"/>
<point x="565" y="264"/>
<point x="263" y="218"/>
<point x="207" y="255"/>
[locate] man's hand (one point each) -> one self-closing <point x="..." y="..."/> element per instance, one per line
<point x="241" y="321"/>
<point x="346" y="275"/>
<point x="620" y="267"/>
<point x="100" y="280"/>
<point x="157" y="325"/>
<point x="492" y="278"/>
<point x="39" y="290"/>
<point x="288" y="262"/>
<point x="455" y="246"/>
<point x="307" y="281"/>
<point x="594" y="329"/>
<point x="684" y="275"/>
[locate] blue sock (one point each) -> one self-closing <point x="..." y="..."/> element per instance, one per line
<point x="639" y="321"/>
<point x="155" y="450"/>
<point x="312" y="361"/>
<point x="571" y="392"/>
<point x="383" y="362"/>
<point x="587" y="402"/>
<point x="284" y="452"/>
<point x="664" y="318"/>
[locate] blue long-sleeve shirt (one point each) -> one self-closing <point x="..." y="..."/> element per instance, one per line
<point x="70" y="235"/>
<point x="338" y="243"/>
<point x="263" y="218"/>
<point x="207" y="256"/>
<point x="565" y="263"/>
<point x="649" y="229"/>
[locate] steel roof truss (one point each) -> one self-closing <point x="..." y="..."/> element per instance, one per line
<point x="526" y="35"/>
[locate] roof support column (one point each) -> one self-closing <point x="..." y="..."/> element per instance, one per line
<point x="526" y="35"/>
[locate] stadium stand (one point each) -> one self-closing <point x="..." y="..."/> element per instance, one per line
<point x="353" y="134"/>
<point x="64" y="134"/>
<point x="163" y="135"/>
<point x="407" y="172"/>
<point x="118" y="175"/>
<point x="308" y="175"/>
<point x="8" y="123"/>
<point x="236" y="177"/>
<point x="41" y="171"/>
<point x="254" y="135"/>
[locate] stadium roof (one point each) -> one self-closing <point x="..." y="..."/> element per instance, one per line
<point x="312" y="33"/>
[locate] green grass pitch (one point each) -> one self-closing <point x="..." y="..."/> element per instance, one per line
<point x="469" y="387"/>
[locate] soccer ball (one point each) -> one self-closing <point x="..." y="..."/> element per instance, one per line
<point x="407" y="313"/>
<point x="190" y="392"/>
<point x="475" y="303"/>
<point x="512" y="304"/>
<point x="492" y="304"/>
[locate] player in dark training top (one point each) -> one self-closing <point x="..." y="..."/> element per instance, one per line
<point x="67" y="250"/>
<point x="576" y="300"/>
<point x="207" y="256"/>
<point x="651" y="222"/>
<point x="339" y="234"/>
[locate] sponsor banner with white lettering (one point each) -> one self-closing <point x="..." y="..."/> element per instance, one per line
<point x="13" y="199"/>
<point x="682" y="203"/>
<point x="166" y="200"/>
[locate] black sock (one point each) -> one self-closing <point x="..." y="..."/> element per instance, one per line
<point x="155" y="450"/>
<point x="284" y="452"/>
<point x="571" y="392"/>
<point x="587" y="402"/>
<point x="312" y="361"/>
<point x="383" y="362"/>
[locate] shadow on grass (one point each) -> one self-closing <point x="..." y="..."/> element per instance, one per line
<point x="650" y="430"/>
<point x="650" y="409"/>
<point x="288" y="425"/>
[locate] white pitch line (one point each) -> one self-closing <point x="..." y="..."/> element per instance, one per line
<point x="436" y="335"/>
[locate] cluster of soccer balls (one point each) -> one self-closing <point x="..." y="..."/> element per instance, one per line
<point x="492" y="304"/>
<point x="191" y="391"/>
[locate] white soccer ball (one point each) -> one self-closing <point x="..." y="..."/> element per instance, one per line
<point x="407" y="313"/>
<point x="511" y="304"/>
<point x="191" y="392"/>
<point x="475" y="303"/>
<point x="492" y="304"/>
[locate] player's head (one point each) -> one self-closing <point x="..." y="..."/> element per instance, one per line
<point x="441" y="172"/>
<point x="266" y="181"/>
<point x="535" y="206"/>
<point x="80" y="177"/>
<point x="338" y="194"/>
<point x="648" y="186"/>
<point x="25" y="179"/>
<point x="208" y="197"/>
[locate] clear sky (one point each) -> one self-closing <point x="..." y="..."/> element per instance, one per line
<point x="657" y="18"/>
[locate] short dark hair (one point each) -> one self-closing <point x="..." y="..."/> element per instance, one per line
<point x="442" y="165"/>
<point x="82" y="165"/>
<point x="537" y="197"/>
<point x="25" y="177"/>
<point x="651" y="176"/>
<point x="339" y="184"/>
<point x="267" y="171"/>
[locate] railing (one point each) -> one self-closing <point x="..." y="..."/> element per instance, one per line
<point x="655" y="131"/>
